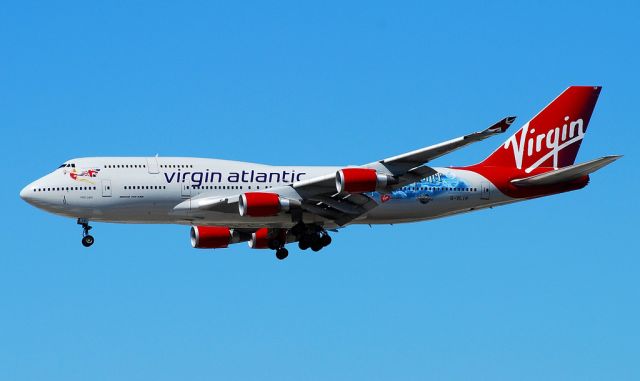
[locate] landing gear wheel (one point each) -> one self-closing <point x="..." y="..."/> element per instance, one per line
<point x="303" y="245"/>
<point x="87" y="240"/>
<point x="282" y="253"/>
<point x="316" y="246"/>
<point x="325" y="240"/>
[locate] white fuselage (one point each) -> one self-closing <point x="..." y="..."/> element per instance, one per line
<point x="147" y="190"/>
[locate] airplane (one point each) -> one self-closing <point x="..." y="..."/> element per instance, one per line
<point x="227" y="202"/>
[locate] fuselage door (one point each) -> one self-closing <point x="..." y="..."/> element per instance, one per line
<point x="152" y="165"/>
<point x="485" y="192"/>
<point x="186" y="187"/>
<point x="106" y="188"/>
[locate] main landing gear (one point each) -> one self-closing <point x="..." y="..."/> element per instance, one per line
<point x="315" y="241"/>
<point x="311" y="236"/>
<point x="87" y="239"/>
<point x="277" y="243"/>
<point x="282" y="253"/>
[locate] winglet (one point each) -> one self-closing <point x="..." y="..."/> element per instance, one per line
<point x="502" y="125"/>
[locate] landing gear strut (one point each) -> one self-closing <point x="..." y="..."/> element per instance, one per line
<point x="87" y="239"/>
<point x="311" y="236"/>
<point x="277" y="242"/>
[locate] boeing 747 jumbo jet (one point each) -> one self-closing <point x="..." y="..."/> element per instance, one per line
<point x="227" y="202"/>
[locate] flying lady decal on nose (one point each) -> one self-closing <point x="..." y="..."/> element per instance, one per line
<point x="83" y="174"/>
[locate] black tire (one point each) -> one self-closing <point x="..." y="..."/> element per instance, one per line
<point x="87" y="241"/>
<point x="282" y="253"/>
<point x="325" y="240"/>
<point x="303" y="245"/>
<point x="316" y="246"/>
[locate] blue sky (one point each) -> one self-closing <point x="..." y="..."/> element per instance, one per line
<point x="546" y="289"/>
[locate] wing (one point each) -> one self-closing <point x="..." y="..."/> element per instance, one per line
<point x="397" y="165"/>
<point x="409" y="167"/>
<point x="320" y="196"/>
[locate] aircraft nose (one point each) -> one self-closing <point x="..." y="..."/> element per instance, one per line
<point x="27" y="193"/>
<point x="24" y="193"/>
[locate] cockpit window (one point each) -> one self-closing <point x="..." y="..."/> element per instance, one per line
<point x="72" y="165"/>
<point x="62" y="166"/>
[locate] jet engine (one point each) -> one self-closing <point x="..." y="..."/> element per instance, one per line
<point x="358" y="180"/>
<point x="260" y="204"/>
<point x="213" y="237"/>
<point x="265" y="238"/>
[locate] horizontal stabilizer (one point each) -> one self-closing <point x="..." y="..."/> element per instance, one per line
<point x="566" y="174"/>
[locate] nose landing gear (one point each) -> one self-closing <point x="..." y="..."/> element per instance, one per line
<point x="87" y="239"/>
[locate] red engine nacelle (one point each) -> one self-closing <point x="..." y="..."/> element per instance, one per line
<point x="259" y="204"/>
<point x="212" y="237"/>
<point x="357" y="180"/>
<point x="261" y="237"/>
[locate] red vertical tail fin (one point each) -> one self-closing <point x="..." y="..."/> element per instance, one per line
<point x="552" y="138"/>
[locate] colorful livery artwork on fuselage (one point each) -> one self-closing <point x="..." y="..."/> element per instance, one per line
<point x="84" y="175"/>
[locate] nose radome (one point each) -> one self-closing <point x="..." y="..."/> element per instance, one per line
<point x="24" y="193"/>
<point x="27" y="193"/>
